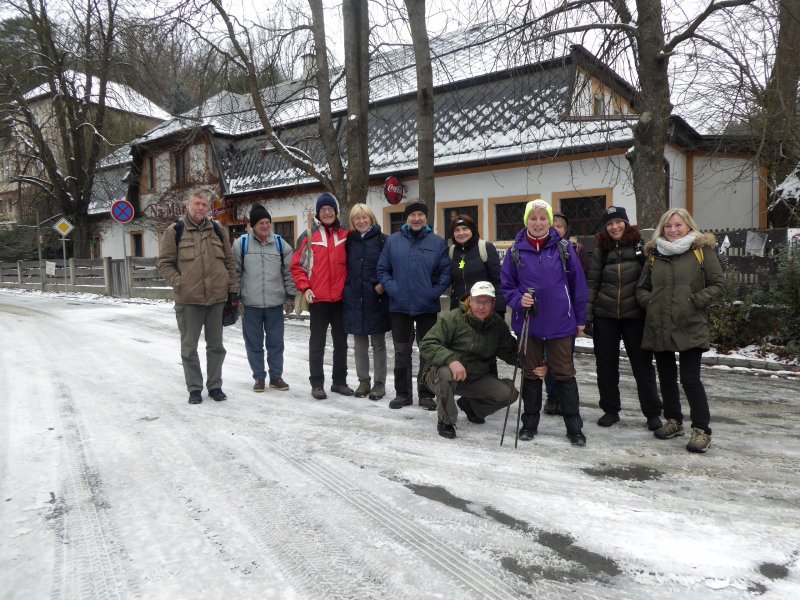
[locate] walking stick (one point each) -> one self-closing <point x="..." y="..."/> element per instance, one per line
<point x="522" y="341"/>
<point x="522" y="378"/>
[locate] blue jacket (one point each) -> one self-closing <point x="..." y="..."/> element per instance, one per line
<point x="415" y="271"/>
<point x="561" y="297"/>
<point x="365" y="311"/>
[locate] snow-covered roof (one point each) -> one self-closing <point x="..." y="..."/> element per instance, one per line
<point x="118" y="96"/>
<point x="789" y="188"/>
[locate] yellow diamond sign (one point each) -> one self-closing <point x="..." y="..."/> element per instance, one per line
<point x="63" y="227"/>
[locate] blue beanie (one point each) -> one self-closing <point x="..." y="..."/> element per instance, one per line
<point x="327" y="199"/>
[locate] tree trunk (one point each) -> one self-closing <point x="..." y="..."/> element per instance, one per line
<point x="425" y="123"/>
<point x="327" y="131"/>
<point x="356" y="57"/>
<point x="780" y="98"/>
<point x="650" y="133"/>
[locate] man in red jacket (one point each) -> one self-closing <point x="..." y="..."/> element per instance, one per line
<point x="323" y="289"/>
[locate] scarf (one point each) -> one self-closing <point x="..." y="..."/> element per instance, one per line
<point x="666" y="248"/>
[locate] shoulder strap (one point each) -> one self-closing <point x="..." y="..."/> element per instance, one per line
<point x="515" y="254"/>
<point x="218" y="230"/>
<point x="698" y="252"/>
<point x="452" y="250"/>
<point x="245" y="239"/>
<point x="563" y="246"/>
<point x="482" y="250"/>
<point x="179" y="227"/>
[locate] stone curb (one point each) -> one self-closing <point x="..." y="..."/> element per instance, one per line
<point x="727" y="361"/>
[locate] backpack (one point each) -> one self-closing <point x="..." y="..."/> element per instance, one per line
<point x="563" y="247"/>
<point x="278" y="242"/>
<point x="481" y="250"/>
<point x="180" y="226"/>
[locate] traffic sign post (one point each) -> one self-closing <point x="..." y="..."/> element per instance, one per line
<point x="63" y="227"/>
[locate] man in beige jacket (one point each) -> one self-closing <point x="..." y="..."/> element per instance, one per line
<point x="195" y="258"/>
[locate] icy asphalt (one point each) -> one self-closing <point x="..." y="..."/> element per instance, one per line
<point x="111" y="486"/>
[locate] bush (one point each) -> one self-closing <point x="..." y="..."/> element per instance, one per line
<point x="731" y="320"/>
<point x="784" y="294"/>
<point x="17" y="244"/>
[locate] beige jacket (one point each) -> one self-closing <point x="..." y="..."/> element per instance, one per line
<point x="200" y="269"/>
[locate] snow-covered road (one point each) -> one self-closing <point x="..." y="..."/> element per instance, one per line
<point x="112" y="486"/>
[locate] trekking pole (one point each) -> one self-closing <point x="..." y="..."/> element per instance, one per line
<point x="522" y="349"/>
<point x="522" y="378"/>
<point x="514" y="376"/>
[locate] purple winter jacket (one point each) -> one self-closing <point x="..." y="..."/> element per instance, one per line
<point x="561" y="297"/>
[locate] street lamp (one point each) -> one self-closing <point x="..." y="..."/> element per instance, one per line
<point x="36" y="227"/>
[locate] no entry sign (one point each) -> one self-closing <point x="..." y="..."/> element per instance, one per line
<point x="122" y="211"/>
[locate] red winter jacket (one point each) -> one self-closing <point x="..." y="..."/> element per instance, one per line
<point x="329" y="271"/>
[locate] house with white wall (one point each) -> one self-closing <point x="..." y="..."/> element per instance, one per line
<point x="509" y="127"/>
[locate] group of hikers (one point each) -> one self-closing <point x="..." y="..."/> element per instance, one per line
<point x="653" y="296"/>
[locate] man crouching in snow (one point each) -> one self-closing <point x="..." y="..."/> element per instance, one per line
<point x="461" y="350"/>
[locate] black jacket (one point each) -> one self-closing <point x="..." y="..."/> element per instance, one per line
<point x="474" y="270"/>
<point x="365" y="311"/>
<point x="612" y="280"/>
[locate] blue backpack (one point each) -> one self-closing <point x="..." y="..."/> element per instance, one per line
<point x="278" y="242"/>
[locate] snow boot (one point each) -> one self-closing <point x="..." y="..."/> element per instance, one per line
<point x="363" y="388"/>
<point x="532" y="405"/>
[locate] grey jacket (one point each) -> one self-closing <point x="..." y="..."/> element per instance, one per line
<point x="261" y="283"/>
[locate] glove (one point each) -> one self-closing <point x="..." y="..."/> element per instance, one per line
<point x="288" y="305"/>
<point x="233" y="300"/>
<point x="588" y="330"/>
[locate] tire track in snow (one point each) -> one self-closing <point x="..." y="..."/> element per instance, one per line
<point x="469" y="576"/>
<point x="317" y="563"/>
<point x="89" y="559"/>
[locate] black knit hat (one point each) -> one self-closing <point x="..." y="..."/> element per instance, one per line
<point x="258" y="212"/>
<point x="614" y="213"/>
<point x="414" y="206"/>
<point x="327" y="199"/>
<point x="463" y="221"/>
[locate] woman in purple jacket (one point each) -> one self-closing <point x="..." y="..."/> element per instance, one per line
<point x="539" y="262"/>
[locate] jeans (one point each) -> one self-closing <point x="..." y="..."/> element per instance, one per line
<point x="259" y="324"/>
<point x="403" y="327"/>
<point x="692" y="387"/>
<point x="361" y="345"/>
<point x="193" y="318"/>
<point x="324" y="314"/>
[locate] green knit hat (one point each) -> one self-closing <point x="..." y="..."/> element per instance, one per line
<point x="537" y="204"/>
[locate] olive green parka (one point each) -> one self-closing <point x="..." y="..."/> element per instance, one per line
<point x="677" y="292"/>
<point x="476" y="344"/>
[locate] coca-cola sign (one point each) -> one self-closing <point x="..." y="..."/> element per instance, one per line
<point x="393" y="190"/>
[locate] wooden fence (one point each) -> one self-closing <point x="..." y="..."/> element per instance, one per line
<point x="129" y="278"/>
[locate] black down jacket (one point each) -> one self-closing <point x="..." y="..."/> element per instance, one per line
<point x="612" y="280"/>
<point x="365" y="311"/>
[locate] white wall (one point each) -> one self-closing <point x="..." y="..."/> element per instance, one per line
<point x="726" y="193"/>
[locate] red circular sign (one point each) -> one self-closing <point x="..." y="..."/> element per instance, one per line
<point x="393" y="190"/>
<point x="122" y="211"/>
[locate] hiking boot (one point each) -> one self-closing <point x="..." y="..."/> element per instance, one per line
<point x="363" y="388"/>
<point x="464" y="405"/>
<point x="195" y="397"/>
<point x="217" y="394"/>
<point x="377" y="392"/>
<point x="258" y="386"/>
<point x="401" y="400"/>
<point x="700" y="441"/>
<point x="654" y="423"/>
<point x="608" y="419"/>
<point x="428" y="403"/>
<point x="318" y="393"/>
<point x="551" y="405"/>
<point x="278" y="384"/>
<point x="669" y="430"/>
<point x="446" y="430"/>
<point x="341" y="388"/>
<point x="577" y="439"/>
<point x="530" y="427"/>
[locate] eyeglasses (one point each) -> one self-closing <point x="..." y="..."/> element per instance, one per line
<point x="476" y="302"/>
<point x="326" y="209"/>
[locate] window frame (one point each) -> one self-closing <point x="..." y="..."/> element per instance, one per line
<point x="494" y="202"/>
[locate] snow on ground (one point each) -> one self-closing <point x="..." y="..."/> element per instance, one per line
<point x="113" y="486"/>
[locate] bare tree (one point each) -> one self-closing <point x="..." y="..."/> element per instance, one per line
<point x="425" y="105"/>
<point x="66" y="127"/>
<point x="651" y="38"/>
